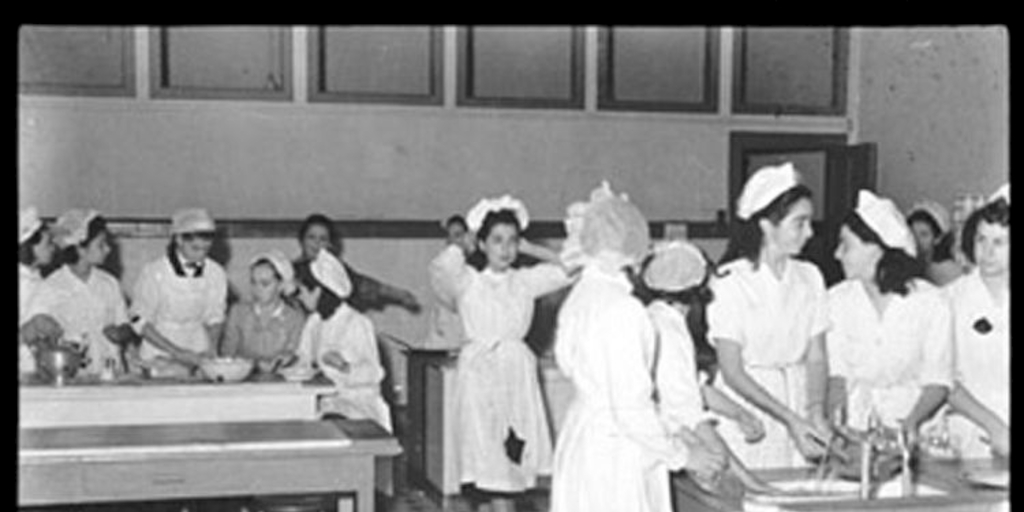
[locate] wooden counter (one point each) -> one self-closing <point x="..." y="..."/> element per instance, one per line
<point x="162" y="402"/>
<point x="65" y="465"/>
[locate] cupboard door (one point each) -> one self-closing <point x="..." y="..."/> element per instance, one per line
<point x="658" y="69"/>
<point x="375" y="64"/>
<point x="790" y="71"/>
<point x="539" y="67"/>
<point x="221" y="62"/>
<point x="91" y="61"/>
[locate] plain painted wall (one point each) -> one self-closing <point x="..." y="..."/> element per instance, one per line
<point x="936" y="100"/>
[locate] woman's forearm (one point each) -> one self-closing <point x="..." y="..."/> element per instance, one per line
<point x="962" y="401"/>
<point x="721" y="404"/>
<point x="932" y="397"/>
<point x="817" y="378"/>
<point x="150" y="334"/>
<point x="740" y="381"/>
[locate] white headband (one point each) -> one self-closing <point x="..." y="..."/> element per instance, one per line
<point x="766" y="184"/>
<point x="934" y="210"/>
<point x="281" y="265"/>
<point x="885" y="219"/>
<point x="676" y="266"/>
<point x="477" y="214"/>
<point x="1002" y="193"/>
<point x="72" y="227"/>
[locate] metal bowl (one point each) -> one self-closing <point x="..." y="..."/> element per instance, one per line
<point x="59" y="363"/>
<point x="226" y="369"/>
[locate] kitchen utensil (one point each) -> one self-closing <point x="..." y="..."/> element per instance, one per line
<point x="226" y="369"/>
<point x="58" y="363"/>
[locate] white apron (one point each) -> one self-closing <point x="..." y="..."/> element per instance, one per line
<point x="180" y="317"/>
<point x="788" y="384"/>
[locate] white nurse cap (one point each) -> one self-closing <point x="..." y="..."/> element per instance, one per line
<point x="476" y="215"/>
<point x="72" y="227"/>
<point x="28" y="223"/>
<point x="934" y="210"/>
<point x="676" y="266"/>
<point x="885" y="219"/>
<point x="191" y="220"/>
<point x="281" y="265"/>
<point x="766" y="184"/>
<point x="608" y="227"/>
<point x="1002" y="193"/>
<point x="331" y="273"/>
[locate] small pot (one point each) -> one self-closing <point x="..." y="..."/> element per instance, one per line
<point x="58" y="364"/>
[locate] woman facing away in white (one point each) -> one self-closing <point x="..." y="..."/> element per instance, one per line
<point x="613" y="452"/>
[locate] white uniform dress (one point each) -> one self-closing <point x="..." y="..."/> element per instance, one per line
<point x="180" y="306"/>
<point x="680" y="403"/>
<point x="982" y="359"/>
<point x="29" y="280"/>
<point x="773" y="320"/>
<point x="613" y="452"/>
<point x="351" y="334"/>
<point x="497" y="388"/>
<point x="887" y="360"/>
<point x="83" y="309"/>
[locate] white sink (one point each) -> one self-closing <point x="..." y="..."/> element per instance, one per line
<point x="814" y="490"/>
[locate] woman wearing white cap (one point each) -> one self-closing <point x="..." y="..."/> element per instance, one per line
<point x="266" y="328"/>
<point x="342" y="343"/>
<point x="35" y="252"/>
<point x="980" y="300"/>
<point x="891" y="344"/>
<point x="502" y="429"/>
<point x="768" y="322"/>
<point x="674" y="278"/>
<point x="85" y="299"/>
<point x="613" y="451"/>
<point x="930" y="223"/>
<point x="180" y="299"/>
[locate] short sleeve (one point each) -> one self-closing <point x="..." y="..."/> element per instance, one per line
<point x="937" y="366"/>
<point x="217" y="296"/>
<point x="145" y="296"/>
<point x="543" y="278"/>
<point x="450" y="275"/>
<point x="836" y="335"/>
<point x="724" y="313"/>
<point x="820" y="321"/>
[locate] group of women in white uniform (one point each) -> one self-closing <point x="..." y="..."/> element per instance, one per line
<point x="885" y="341"/>
<point x="897" y="346"/>
<point x="178" y="314"/>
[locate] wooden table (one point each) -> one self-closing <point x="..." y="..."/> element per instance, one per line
<point x="200" y="460"/>
<point x="161" y="401"/>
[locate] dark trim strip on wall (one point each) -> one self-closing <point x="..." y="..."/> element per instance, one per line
<point x="139" y="227"/>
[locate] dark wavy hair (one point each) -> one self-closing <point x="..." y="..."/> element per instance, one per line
<point x="996" y="212"/>
<point x="319" y="219"/>
<point x="456" y="219"/>
<point x="26" y="249"/>
<point x="943" y="241"/>
<point x="896" y="269"/>
<point x="504" y="216"/>
<point x="746" y="237"/>
<point x="70" y="255"/>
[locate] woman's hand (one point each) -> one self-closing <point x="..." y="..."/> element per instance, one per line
<point x="999" y="439"/>
<point x="751" y="426"/>
<point x="809" y="439"/>
<point x="284" y="358"/>
<point x="335" y="360"/>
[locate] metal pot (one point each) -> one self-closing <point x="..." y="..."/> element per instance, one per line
<point x="59" y="363"/>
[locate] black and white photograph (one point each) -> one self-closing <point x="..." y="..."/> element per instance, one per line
<point x="513" y="268"/>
